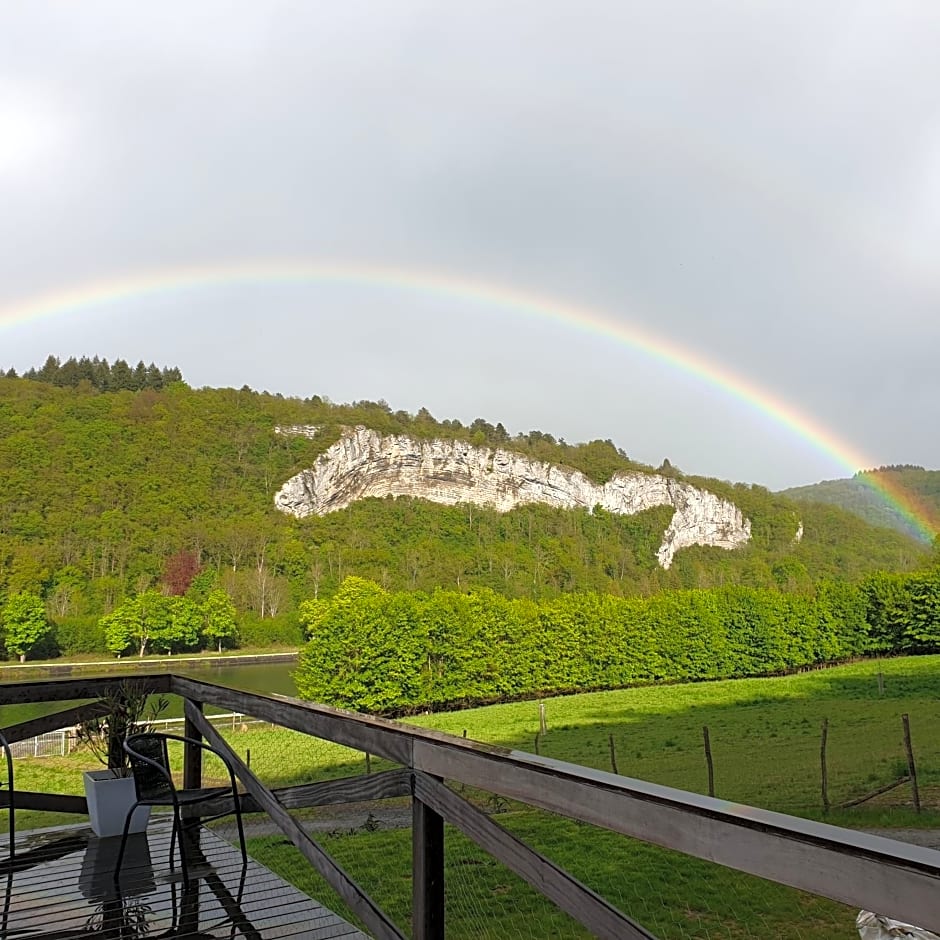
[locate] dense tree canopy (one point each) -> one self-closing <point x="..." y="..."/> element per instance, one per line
<point x="108" y="494"/>
<point x="863" y="496"/>
<point x="383" y="651"/>
<point x="24" y="624"/>
<point x="99" y="374"/>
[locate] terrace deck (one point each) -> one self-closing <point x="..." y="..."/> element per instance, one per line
<point x="60" y="886"/>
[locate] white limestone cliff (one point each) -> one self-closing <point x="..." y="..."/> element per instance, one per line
<point x="364" y="463"/>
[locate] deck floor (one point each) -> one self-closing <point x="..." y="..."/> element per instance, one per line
<point x="61" y="886"/>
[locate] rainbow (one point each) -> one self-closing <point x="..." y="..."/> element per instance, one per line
<point x="191" y="278"/>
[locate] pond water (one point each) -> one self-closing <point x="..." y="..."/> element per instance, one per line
<point x="260" y="677"/>
<point x="257" y="677"/>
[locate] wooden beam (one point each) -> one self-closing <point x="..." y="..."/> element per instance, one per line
<point x="59" y="690"/>
<point x="50" y="802"/>
<point x="427" y="864"/>
<point x="363" y="733"/>
<point x="382" y="786"/>
<point x="374" y="918"/>
<point x="569" y="894"/>
<point x="870" y="796"/>
<point x="192" y="756"/>
<point x="66" y="718"/>
<point x="866" y="871"/>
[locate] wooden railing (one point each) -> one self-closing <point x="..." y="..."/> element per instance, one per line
<point x="865" y="871"/>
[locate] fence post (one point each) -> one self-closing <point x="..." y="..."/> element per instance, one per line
<point x="822" y="761"/>
<point x="708" y="761"/>
<point x="912" y="770"/>
<point x="613" y="755"/>
<point x="543" y="724"/>
<point x="427" y="862"/>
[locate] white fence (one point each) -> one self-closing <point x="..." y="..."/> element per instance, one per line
<point x="60" y="743"/>
<point x="50" y="744"/>
<point x="233" y="720"/>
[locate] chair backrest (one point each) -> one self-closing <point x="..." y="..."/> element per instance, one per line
<point x="8" y="754"/>
<point x="151" y="782"/>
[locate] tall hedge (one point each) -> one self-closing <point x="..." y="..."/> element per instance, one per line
<point x="383" y="651"/>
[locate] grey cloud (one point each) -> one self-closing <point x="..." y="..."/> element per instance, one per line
<point x="756" y="182"/>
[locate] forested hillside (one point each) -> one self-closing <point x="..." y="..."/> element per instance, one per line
<point x="859" y="497"/>
<point x="103" y="492"/>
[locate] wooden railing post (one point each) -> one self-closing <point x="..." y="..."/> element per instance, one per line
<point x="427" y="846"/>
<point x="192" y="756"/>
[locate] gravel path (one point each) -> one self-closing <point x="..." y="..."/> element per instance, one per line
<point x="929" y="838"/>
<point x="347" y="819"/>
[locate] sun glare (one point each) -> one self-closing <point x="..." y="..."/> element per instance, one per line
<point x="28" y="131"/>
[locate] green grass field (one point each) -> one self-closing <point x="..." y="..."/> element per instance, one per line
<point x="671" y="895"/>
<point x="765" y="736"/>
<point x="765" y="733"/>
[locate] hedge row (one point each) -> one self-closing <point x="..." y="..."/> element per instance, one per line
<point x="398" y="652"/>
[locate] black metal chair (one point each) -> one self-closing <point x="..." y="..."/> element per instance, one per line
<point x="8" y="783"/>
<point x="153" y="782"/>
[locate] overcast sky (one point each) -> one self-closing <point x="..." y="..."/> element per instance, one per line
<point x="756" y="183"/>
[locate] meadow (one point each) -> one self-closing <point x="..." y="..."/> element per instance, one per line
<point x="765" y="739"/>
<point x="765" y="733"/>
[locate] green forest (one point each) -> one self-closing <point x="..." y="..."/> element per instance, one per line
<point x="136" y="505"/>
<point x="860" y="495"/>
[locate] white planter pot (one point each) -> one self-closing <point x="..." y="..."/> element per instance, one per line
<point x="109" y="800"/>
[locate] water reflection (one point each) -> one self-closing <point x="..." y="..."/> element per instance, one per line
<point x="258" y="677"/>
<point x="63" y="887"/>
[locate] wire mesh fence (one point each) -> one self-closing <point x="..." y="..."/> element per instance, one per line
<point x="672" y="895"/>
<point x="369" y="839"/>
<point x="776" y="757"/>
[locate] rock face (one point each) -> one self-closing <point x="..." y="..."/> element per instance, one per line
<point x="363" y="463"/>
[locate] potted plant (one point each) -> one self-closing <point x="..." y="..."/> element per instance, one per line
<point x="110" y="793"/>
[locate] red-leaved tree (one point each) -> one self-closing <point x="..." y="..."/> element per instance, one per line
<point x="179" y="571"/>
